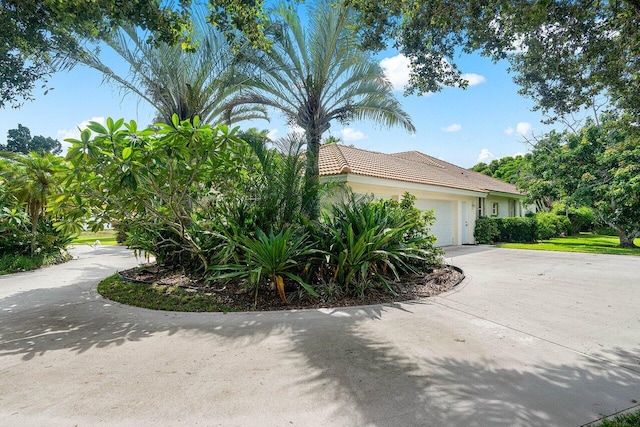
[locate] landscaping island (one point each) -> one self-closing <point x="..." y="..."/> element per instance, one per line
<point x="156" y="288"/>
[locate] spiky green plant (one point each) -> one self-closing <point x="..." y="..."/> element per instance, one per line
<point x="269" y="256"/>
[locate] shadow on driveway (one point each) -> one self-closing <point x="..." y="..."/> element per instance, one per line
<point x="370" y="379"/>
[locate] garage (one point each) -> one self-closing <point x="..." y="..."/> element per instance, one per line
<point x="444" y="211"/>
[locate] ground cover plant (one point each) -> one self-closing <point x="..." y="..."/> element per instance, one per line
<point x="583" y="242"/>
<point x="626" y="420"/>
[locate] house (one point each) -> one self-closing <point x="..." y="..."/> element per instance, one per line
<point x="456" y="195"/>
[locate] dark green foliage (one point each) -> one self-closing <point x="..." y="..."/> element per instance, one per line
<point x="552" y="225"/>
<point x="631" y="419"/>
<point x="486" y="230"/>
<point x="507" y="169"/>
<point x="20" y="141"/>
<point x="599" y="167"/>
<point x="370" y="243"/>
<point x="580" y="219"/>
<point x="516" y="229"/>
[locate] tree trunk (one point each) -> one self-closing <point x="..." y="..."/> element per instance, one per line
<point x="626" y="241"/>
<point x="34" y="231"/>
<point x="311" y="205"/>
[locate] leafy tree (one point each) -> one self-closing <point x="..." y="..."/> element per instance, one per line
<point x="564" y="52"/>
<point x="161" y="180"/>
<point x="599" y="167"/>
<point x="331" y="139"/>
<point x="188" y="83"/>
<point x="507" y="169"/>
<point x="20" y="141"/>
<point x="34" y="32"/>
<point x="317" y="75"/>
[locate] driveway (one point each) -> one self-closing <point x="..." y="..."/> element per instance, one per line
<point x="528" y="338"/>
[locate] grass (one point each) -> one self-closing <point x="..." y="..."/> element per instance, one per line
<point x="631" y="419"/>
<point x="106" y="237"/>
<point x="16" y="263"/>
<point x="157" y="297"/>
<point x="584" y="242"/>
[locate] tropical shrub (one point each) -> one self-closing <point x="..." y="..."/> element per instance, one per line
<point x="269" y="257"/>
<point x="28" y="184"/>
<point x="486" y="230"/>
<point x="159" y="181"/>
<point x="551" y="225"/>
<point x="370" y="243"/>
<point x="580" y="219"/>
<point x="517" y="229"/>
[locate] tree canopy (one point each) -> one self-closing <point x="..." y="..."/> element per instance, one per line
<point x="564" y="53"/>
<point x="34" y="34"/>
<point x="20" y="141"/>
<point x="599" y="167"/>
<point x="316" y="74"/>
<point x="507" y="169"/>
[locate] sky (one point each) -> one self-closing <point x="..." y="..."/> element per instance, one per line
<point x="488" y="120"/>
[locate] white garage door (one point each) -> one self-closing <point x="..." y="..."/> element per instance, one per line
<point x="444" y="211"/>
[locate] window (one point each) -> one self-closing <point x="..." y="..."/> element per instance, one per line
<point x="495" y="209"/>
<point x="480" y="207"/>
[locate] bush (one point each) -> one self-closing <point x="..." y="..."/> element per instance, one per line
<point x="580" y="219"/>
<point x="372" y="242"/>
<point x="486" y="230"/>
<point x="551" y="225"/>
<point x="517" y="229"/>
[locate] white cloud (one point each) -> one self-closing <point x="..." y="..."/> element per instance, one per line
<point x="272" y="134"/>
<point x="508" y="131"/>
<point x="75" y="133"/>
<point x="523" y="128"/>
<point x="295" y="129"/>
<point x="485" y="155"/>
<point x="518" y="154"/>
<point x="397" y="69"/>
<point x="63" y="134"/>
<point x="350" y="134"/>
<point x="452" y="128"/>
<point x="473" y="79"/>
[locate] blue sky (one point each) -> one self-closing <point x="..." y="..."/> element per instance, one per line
<point x="488" y="120"/>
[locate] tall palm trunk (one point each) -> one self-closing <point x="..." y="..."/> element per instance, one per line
<point x="311" y="206"/>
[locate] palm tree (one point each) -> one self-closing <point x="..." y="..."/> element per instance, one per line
<point x="32" y="179"/>
<point x="317" y="75"/>
<point x="179" y="81"/>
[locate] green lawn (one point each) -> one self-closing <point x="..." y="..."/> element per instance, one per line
<point x="106" y="237"/>
<point x="584" y="242"/>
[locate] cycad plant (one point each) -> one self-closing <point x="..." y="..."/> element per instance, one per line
<point x="315" y="74"/>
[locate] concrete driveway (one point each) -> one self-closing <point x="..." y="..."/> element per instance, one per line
<point x="529" y="338"/>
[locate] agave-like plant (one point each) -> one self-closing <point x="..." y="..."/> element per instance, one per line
<point x="370" y="241"/>
<point x="272" y="256"/>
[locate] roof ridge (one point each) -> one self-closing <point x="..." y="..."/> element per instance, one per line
<point x="427" y="158"/>
<point x="340" y="157"/>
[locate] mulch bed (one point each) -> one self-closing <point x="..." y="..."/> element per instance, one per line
<point x="235" y="293"/>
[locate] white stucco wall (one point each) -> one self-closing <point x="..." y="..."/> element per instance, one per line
<point x="463" y="203"/>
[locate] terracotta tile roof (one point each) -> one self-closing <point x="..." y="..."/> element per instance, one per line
<point x="410" y="166"/>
